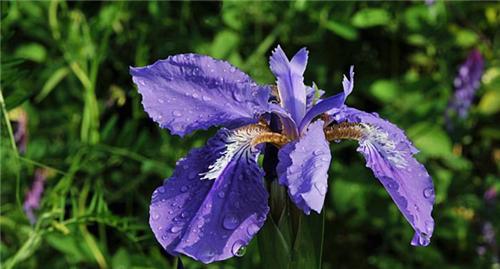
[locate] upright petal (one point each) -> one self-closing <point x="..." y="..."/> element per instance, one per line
<point x="290" y="81"/>
<point x="210" y="220"/>
<point x="187" y="92"/>
<point x="389" y="154"/>
<point x="303" y="168"/>
<point x="333" y="102"/>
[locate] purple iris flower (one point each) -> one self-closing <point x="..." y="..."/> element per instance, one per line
<point x="34" y="195"/>
<point x="466" y="83"/>
<point x="216" y="200"/>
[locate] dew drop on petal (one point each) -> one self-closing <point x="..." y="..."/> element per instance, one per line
<point x="206" y="98"/>
<point x="155" y="216"/>
<point x="221" y="194"/>
<point x="237" y="95"/>
<point x="429" y="193"/>
<point x="429" y="226"/>
<point x="161" y="189"/>
<point x="317" y="152"/>
<point x="207" y="255"/>
<point x="238" y="248"/>
<point x="320" y="187"/>
<point x="252" y="229"/>
<point x="230" y="222"/>
<point x="177" y="113"/>
<point x="175" y="229"/>
<point x="192" y="175"/>
<point x="184" y="188"/>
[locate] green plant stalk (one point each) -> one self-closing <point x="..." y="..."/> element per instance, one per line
<point x="14" y="148"/>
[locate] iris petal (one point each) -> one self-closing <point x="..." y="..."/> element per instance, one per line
<point x="187" y="92"/>
<point x="303" y="168"/>
<point x="333" y="102"/>
<point x="290" y="81"/>
<point x="210" y="220"/>
<point x="389" y="154"/>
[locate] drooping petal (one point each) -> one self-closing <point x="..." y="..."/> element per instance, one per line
<point x="303" y="168"/>
<point x="290" y="81"/>
<point x="329" y="103"/>
<point x="187" y="92"/>
<point x="211" y="219"/>
<point x="389" y="154"/>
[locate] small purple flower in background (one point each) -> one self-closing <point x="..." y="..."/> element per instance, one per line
<point x="466" y="84"/>
<point x="216" y="200"/>
<point x="430" y="2"/>
<point x="34" y="195"/>
<point x="20" y="118"/>
<point x="490" y="195"/>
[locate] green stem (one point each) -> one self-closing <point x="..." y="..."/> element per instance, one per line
<point x="14" y="148"/>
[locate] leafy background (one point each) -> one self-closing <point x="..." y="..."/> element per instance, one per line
<point x="65" y="64"/>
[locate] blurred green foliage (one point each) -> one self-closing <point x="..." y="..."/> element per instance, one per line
<point x="65" y="64"/>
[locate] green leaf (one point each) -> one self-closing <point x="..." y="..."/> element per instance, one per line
<point x="224" y="43"/>
<point x="431" y="139"/>
<point x="384" y="90"/>
<point x="370" y="17"/>
<point x="308" y="246"/>
<point x="274" y="251"/>
<point x="466" y="38"/>
<point x="490" y="102"/>
<point x="52" y="82"/>
<point x="33" y="51"/>
<point x="343" y="30"/>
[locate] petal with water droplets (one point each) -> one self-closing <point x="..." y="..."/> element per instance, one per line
<point x="389" y="154"/>
<point x="303" y="168"/>
<point x="187" y="92"/>
<point x="199" y="221"/>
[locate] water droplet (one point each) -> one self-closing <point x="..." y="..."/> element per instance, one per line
<point x="237" y="95"/>
<point x="230" y="222"/>
<point x="184" y="188"/>
<point x="161" y="189"/>
<point x="177" y="113"/>
<point x="429" y="226"/>
<point x="207" y="255"/>
<point x="391" y="184"/>
<point x="252" y="229"/>
<point x="184" y="214"/>
<point x="192" y="175"/>
<point x="155" y="216"/>
<point x="429" y="193"/>
<point x="320" y="187"/>
<point x="175" y="229"/>
<point x="317" y="152"/>
<point x="238" y="248"/>
<point x="293" y="168"/>
<point x="160" y="101"/>
<point x="195" y="95"/>
<point x="221" y="194"/>
<point x="206" y="98"/>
